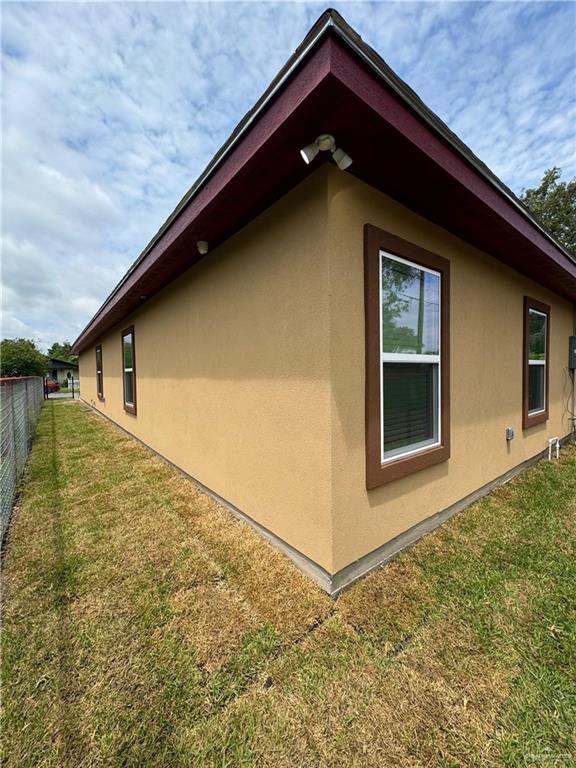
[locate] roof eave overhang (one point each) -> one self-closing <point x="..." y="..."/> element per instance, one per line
<point x="335" y="84"/>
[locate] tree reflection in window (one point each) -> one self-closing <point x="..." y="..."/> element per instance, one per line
<point x="410" y="309"/>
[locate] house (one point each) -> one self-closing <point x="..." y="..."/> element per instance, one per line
<point x="62" y="370"/>
<point x="344" y="354"/>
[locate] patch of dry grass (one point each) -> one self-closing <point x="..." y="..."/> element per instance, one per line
<point x="389" y="604"/>
<point x="144" y="625"/>
<point x="337" y="701"/>
<point x="214" y="620"/>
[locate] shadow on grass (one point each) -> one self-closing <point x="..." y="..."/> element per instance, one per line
<point x="66" y="566"/>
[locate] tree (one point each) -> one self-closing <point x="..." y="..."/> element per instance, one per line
<point x="21" y="357"/>
<point x="403" y="295"/>
<point x="62" y="351"/>
<point x="553" y="204"/>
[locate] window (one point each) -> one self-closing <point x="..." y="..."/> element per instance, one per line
<point x="99" y="376"/>
<point x="129" y="370"/>
<point x="407" y="354"/>
<point x="536" y="354"/>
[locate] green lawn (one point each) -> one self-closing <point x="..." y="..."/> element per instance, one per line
<point x="144" y="626"/>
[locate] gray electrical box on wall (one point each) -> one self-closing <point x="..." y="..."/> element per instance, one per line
<point x="572" y="352"/>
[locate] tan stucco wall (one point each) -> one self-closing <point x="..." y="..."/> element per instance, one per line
<point x="250" y="372"/>
<point x="486" y="373"/>
<point x="232" y="366"/>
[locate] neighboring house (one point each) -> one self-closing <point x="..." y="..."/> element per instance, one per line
<point x="343" y="367"/>
<point x="62" y="370"/>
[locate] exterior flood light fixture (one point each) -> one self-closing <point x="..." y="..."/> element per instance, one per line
<point x="202" y="246"/>
<point x="309" y="153"/>
<point x="341" y="159"/>
<point x="326" y="143"/>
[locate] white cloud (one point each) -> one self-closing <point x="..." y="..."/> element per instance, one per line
<point x="112" y="110"/>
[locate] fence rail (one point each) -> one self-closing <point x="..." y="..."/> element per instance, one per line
<point x="20" y="403"/>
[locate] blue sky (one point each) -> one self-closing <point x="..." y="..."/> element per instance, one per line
<point x="111" y="111"/>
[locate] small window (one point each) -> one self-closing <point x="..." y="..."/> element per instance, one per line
<point x="99" y="375"/>
<point x="407" y="340"/>
<point x="129" y="370"/>
<point x="536" y="353"/>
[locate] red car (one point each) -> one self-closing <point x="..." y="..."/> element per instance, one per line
<point x="52" y="386"/>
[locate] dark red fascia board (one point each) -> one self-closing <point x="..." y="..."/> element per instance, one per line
<point x="298" y="89"/>
<point x="335" y="91"/>
<point x="368" y="87"/>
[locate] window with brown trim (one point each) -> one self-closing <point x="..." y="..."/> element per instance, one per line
<point x="129" y="370"/>
<point x="99" y="373"/>
<point x="407" y="304"/>
<point x="535" y="362"/>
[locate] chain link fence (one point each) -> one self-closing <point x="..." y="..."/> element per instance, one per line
<point x="20" y="403"/>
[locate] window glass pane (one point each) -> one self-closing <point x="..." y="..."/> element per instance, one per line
<point x="410" y="309"/>
<point x="536" y="335"/>
<point x="129" y="387"/>
<point x="410" y="406"/>
<point x="128" y="354"/>
<point x="536" y="387"/>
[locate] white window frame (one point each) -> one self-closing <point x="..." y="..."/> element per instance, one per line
<point x="539" y="362"/>
<point x="126" y="370"/>
<point x="99" y="376"/>
<point x="393" y="357"/>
